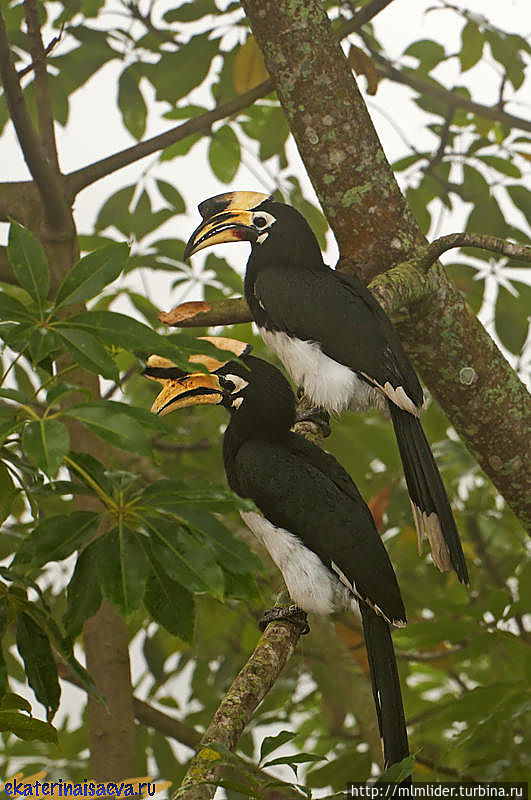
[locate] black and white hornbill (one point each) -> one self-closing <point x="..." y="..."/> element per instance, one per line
<point x="336" y="342"/>
<point x="314" y="522"/>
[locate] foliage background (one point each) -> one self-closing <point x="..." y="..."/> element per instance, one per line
<point x="163" y="545"/>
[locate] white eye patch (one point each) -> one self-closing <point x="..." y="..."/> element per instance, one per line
<point x="238" y="382"/>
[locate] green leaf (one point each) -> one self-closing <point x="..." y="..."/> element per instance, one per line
<point x="113" y="426"/>
<point x="234" y="554"/>
<point x="169" y="603"/>
<point x="296" y="758"/>
<point x="46" y="443"/>
<point x="224" y="154"/>
<point x="91" y="467"/>
<point x="465" y="278"/>
<point x="131" y="101"/>
<point x="272" y="743"/>
<point x="8" y="492"/>
<point x="42" y="342"/>
<point x="26" y="727"/>
<point x="3" y="628"/>
<point x="115" y="211"/>
<point x="180" y="148"/>
<point x="177" y="73"/>
<point x="122" y="568"/>
<point x="418" y="202"/>
<point x="521" y="197"/>
<point x="11" y="700"/>
<point x="88" y="352"/>
<point x="472" y="42"/>
<point x="512" y="316"/>
<point x="185" y="558"/>
<point x="487" y="216"/>
<point x="55" y="538"/>
<point x="12" y="309"/>
<point x="171" y="195"/>
<point x="92" y="273"/>
<point x="407" y="161"/>
<point x="397" y="772"/>
<point x="428" y="53"/>
<point x="188" y="12"/>
<point x="28" y="261"/>
<point x="41" y="671"/>
<point x="502" y="165"/>
<point x="83" y="593"/>
<point x="171" y="494"/>
<point x="118" y="330"/>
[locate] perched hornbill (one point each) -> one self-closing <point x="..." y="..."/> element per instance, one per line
<point x="315" y="524"/>
<point x="336" y="342"/>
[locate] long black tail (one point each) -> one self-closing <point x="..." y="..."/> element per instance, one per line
<point x="431" y="507"/>
<point x="385" y="686"/>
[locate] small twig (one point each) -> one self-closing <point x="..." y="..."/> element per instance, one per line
<point x="47" y="50"/>
<point x="432" y="252"/>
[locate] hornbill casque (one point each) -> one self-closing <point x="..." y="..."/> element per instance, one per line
<point x="314" y="522"/>
<point x="335" y="341"/>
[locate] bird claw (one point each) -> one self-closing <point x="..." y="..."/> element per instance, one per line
<point x="292" y="614"/>
<point x="315" y="416"/>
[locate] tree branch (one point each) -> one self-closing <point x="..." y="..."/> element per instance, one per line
<point x="45" y="176"/>
<point x="248" y="689"/>
<point x="452" y="99"/>
<point x="81" y="178"/>
<point x="439" y="246"/>
<point x="42" y="93"/>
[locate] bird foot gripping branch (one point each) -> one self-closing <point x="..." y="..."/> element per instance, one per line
<point x="293" y="614"/>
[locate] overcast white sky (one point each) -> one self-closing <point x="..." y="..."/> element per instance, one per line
<point x="95" y="131"/>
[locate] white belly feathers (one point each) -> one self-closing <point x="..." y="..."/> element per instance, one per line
<point x="311" y="585"/>
<point x="326" y="383"/>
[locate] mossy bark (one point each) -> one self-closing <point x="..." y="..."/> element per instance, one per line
<point x="375" y="230"/>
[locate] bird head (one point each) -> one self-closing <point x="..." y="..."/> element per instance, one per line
<point x="255" y="393"/>
<point x="274" y="229"/>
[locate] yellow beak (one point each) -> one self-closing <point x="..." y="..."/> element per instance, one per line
<point x="192" y="390"/>
<point x="226" y="218"/>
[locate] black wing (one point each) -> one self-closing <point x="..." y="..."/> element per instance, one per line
<point x="339" y="312"/>
<point x="302" y="496"/>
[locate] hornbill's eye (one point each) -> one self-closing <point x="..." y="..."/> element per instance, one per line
<point x="259" y="221"/>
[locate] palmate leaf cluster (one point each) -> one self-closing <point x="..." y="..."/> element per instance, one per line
<point x="158" y="534"/>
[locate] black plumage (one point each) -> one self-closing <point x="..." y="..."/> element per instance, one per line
<point x="335" y="340"/>
<point x="315" y="524"/>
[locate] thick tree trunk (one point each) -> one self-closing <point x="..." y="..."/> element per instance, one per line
<point x="375" y="230"/>
<point x="43" y="206"/>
